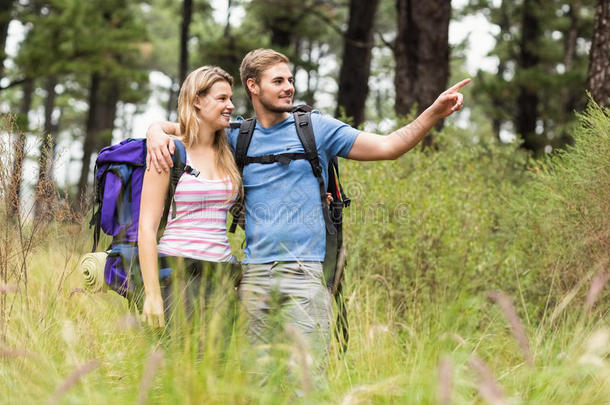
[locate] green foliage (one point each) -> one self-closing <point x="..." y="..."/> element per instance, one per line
<point x="561" y="220"/>
<point x="84" y="37"/>
<point x="558" y="78"/>
<point x="428" y="235"/>
<point x="427" y="222"/>
<point x="469" y="218"/>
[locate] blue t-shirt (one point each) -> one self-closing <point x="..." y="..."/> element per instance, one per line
<point x="283" y="215"/>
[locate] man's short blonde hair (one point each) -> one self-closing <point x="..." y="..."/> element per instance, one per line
<point x="256" y="62"/>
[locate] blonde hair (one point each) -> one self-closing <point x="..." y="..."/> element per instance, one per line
<point x="199" y="82"/>
<point x="256" y="62"/>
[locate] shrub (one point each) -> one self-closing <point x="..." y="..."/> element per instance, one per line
<point x="560" y="221"/>
<point x="468" y="218"/>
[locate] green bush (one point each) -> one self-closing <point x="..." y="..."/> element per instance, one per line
<point x="560" y="220"/>
<point x="428" y="235"/>
<point x="428" y="222"/>
<point x="469" y="218"/>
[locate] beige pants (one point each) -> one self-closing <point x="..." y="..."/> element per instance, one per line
<point x="287" y="296"/>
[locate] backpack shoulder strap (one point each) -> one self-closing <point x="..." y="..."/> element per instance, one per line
<point x="334" y="165"/>
<point x="302" y="108"/>
<point x="302" y="120"/>
<point x="179" y="161"/>
<point x="96" y="215"/>
<point x="246" y="129"/>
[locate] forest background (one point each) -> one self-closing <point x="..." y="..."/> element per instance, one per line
<point x="508" y="207"/>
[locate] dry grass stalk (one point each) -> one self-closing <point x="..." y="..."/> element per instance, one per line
<point x="445" y="382"/>
<point x="72" y="380"/>
<point x="77" y="291"/>
<point x="304" y="358"/>
<point x="460" y="340"/>
<point x="152" y="366"/>
<point x="364" y="393"/>
<point x="597" y="286"/>
<point x="514" y="322"/>
<point x="8" y="288"/>
<point x="565" y="301"/>
<point x="7" y="353"/>
<point x="597" y="348"/>
<point x="376" y="331"/>
<point x="489" y="389"/>
<point x="383" y="280"/>
<point x="128" y="322"/>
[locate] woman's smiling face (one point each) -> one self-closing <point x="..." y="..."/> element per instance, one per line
<point x="215" y="106"/>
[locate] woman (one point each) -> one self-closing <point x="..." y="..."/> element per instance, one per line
<point x="196" y="237"/>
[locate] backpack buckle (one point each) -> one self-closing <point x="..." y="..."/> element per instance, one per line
<point x="347" y="202"/>
<point x="283" y="159"/>
<point x="192" y="171"/>
<point x="266" y="159"/>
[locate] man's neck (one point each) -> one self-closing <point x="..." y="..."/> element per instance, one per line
<point x="267" y="118"/>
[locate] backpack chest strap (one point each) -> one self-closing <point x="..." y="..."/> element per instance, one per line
<point x="284" y="158"/>
<point x="306" y="136"/>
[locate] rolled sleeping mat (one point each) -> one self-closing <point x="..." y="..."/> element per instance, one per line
<point x="91" y="267"/>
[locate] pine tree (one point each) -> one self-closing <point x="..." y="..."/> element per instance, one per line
<point x="541" y="72"/>
<point x="599" y="65"/>
<point x="421" y="52"/>
<point x="356" y="60"/>
<point x="6" y="10"/>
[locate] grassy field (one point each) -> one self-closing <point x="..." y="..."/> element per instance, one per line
<point x="474" y="276"/>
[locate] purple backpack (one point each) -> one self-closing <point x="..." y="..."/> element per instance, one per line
<point x="119" y="174"/>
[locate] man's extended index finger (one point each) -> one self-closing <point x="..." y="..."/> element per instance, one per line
<point x="459" y="85"/>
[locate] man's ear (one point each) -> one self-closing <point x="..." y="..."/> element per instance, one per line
<point x="252" y="86"/>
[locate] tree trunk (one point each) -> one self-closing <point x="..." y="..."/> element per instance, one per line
<point x="497" y="100"/>
<point x="527" y="101"/>
<point x="89" y="144"/>
<point x="312" y="75"/>
<point x="103" y="98"/>
<point x="356" y="64"/>
<point x="227" y="31"/>
<point x="187" y="15"/>
<point x="421" y="53"/>
<point x="6" y="8"/>
<point x="281" y="18"/>
<point x="44" y="192"/>
<point x="598" y="80"/>
<point x="19" y="147"/>
<point x="571" y="37"/>
<point x="171" y="101"/>
<point x="281" y="33"/>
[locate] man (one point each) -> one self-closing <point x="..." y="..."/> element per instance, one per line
<point x="284" y="227"/>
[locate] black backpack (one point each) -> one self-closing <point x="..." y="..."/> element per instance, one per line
<point x="334" y="260"/>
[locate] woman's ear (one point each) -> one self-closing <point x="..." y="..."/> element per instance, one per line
<point x="197" y="103"/>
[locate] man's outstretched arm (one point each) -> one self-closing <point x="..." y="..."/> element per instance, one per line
<point x="369" y="146"/>
<point x="159" y="146"/>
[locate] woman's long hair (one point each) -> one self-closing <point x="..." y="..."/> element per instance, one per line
<point x="199" y="82"/>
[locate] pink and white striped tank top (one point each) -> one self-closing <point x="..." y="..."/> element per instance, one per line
<point x="199" y="230"/>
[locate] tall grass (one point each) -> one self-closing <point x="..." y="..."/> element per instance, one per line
<point x="469" y="281"/>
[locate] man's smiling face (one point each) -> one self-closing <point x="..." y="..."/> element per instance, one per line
<point x="276" y="88"/>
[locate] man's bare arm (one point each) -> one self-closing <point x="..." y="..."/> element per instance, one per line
<point x="160" y="146"/>
<point x="378" y="147"/>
